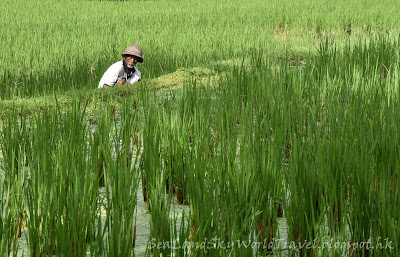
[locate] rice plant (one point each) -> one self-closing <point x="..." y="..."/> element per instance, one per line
<point x="317" y="136"/>
<point x="181" y="34"/>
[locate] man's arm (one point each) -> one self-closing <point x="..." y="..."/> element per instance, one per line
<point x="110" y="77"/>
<point x="121" y="82"/>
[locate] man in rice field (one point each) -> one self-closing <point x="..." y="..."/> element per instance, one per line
<point x="123" y="71"/>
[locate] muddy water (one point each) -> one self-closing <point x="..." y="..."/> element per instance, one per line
<point x="142" y="221"/>
<point x="142" y="224"/>
<point x="142" y="216"/>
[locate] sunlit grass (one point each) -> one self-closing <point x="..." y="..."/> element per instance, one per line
<point x="259" y="124"/>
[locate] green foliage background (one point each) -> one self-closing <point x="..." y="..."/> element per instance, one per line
<point x="49" y="46"/>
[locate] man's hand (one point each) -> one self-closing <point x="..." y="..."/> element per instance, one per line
<point x="119" y="82"/>
<point x="122" y="81"/>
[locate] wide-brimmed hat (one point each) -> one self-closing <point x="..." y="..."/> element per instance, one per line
<point x="134" y="50"/>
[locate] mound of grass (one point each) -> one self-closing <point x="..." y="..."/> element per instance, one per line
<point x="175" y="80"/>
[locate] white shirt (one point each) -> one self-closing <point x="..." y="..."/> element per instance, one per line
<point x="116" y="70"/>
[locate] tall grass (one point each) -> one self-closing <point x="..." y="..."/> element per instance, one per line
<point x="13" y="177"/>
<point x="319" y="139"/>
<point x="123" y="180"/>
<point x="51" y="182"/>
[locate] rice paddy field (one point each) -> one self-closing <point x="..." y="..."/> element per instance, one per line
<point x="259" y="128"/>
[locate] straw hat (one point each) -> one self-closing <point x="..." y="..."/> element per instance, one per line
<point x="134" y="50"/>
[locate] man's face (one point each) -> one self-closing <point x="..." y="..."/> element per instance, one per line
<point x="130" y="61"/>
